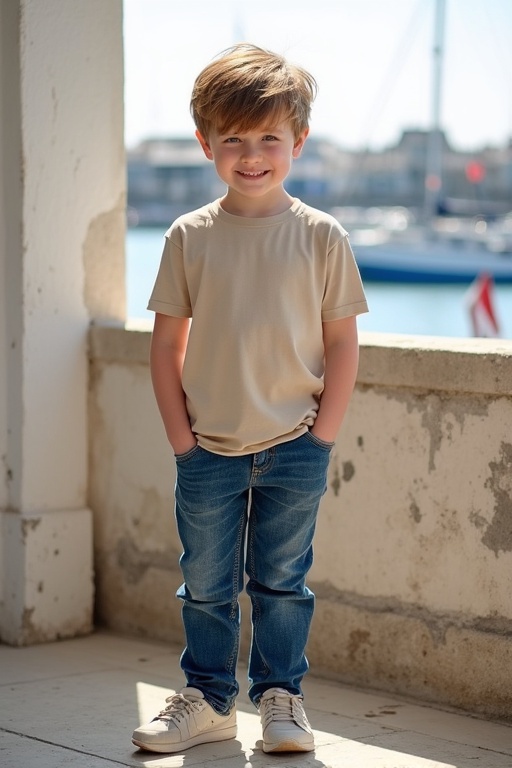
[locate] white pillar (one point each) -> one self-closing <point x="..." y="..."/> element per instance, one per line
<point x="62" y="202"/>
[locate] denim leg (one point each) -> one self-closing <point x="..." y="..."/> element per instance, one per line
<point x="285" y="498"/>
<point x="211" y="515"/>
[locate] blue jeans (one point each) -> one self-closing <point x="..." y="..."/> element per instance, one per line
<point x="273" y="497"/>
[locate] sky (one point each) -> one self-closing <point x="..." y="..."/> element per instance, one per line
<point x="372" y="59"/>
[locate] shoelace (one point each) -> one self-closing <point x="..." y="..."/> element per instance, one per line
<point x="177" y="706"/>
<point x="281" y="707"/>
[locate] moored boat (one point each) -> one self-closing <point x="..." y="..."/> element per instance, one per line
<point x="427" y="261"/>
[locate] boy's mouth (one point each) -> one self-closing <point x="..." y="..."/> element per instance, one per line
<point x="252" y="174"/>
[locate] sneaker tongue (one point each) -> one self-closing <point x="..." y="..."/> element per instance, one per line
<point x="192" y="693"/>
<point x="271" y="692"/>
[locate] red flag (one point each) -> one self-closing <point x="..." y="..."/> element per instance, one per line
<point x="480" y="301"/>
<point x="475" y="172"/>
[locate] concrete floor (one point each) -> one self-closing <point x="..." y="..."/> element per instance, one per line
<point x="74" y="704"/>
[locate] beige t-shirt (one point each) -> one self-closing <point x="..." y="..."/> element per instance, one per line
<point x="258" y="291"/>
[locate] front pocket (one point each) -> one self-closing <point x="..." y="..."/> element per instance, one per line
<point x="181" y="457"/>
<point x="323" y="444"/>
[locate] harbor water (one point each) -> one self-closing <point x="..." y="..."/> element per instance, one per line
<point x="429" y="310"/>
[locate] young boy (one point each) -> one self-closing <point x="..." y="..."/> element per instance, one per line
<point x="252" y="393"/>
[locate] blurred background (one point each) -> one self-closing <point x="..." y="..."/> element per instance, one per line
<point x="410" y="145"/>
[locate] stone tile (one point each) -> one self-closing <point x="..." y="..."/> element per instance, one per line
<point x="19" y="752"/>
<point x="419" y="747"/>
<point x="393" y="712"/>
<point x="75" y="704"/>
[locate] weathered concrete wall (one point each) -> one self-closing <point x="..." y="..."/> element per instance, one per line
<point x="62" y="235"/>
<point x="414" y="577"/>
<point x="130" y="487"/>
<point x="413" y="554"/>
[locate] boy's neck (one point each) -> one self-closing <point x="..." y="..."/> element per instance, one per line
<point x="259" y="207"/>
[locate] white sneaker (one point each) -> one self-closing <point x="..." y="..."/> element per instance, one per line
<point x="285" y="725"/>
<point x="187" y="720"/>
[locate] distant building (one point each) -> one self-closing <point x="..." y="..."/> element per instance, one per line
<point x="168" y="176"/>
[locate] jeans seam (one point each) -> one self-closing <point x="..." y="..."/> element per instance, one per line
<point x="231" y="662"/>
<point x="255" y="602"/>
<point x="236" y="572"/>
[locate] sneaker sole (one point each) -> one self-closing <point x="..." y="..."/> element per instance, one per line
<point x="289" y="746"/>
<point x="202" y="738"/>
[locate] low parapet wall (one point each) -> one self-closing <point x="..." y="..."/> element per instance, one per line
<point x="413" y="552"/>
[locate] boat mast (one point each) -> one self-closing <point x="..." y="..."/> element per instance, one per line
<point x="433" y="176"/>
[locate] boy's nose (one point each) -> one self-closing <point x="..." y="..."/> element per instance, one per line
<point x="250" y="152"/>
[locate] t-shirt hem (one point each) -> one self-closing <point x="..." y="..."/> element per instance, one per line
<point x="247" y="451"/>
<point x="348" y="310"/>
<point x="169" y="309"/>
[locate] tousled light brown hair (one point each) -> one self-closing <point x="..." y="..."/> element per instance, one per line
<point x="246" y="87"/>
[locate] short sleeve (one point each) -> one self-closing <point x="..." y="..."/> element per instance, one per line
<point x="344" y="293"/>
<point x="170" y="295"/>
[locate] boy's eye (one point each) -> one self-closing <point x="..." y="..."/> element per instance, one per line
<point x="237" y="140"/>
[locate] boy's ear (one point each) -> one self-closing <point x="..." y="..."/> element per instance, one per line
<point x="205" y="145"/>
<point x="297" y="147"/>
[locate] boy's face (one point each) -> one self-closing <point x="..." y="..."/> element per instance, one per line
<point x="254" y="163"/>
